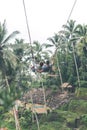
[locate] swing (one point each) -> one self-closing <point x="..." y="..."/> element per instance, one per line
<point x="49" y="68"/>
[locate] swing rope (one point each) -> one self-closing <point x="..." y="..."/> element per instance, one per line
<point x="72" y="9"/>
<point x="28" y="29"/>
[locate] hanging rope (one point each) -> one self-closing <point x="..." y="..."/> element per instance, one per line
<point x="71" y="10"/>
<point x="28" y="29"/>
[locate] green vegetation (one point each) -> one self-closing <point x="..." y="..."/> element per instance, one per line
<point x="69" y="64"/>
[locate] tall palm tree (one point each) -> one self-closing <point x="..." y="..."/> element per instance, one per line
<point x="82" y="47"/>
<point x="70" y="31"/>
<point x="56" y="43"/>
<point x="6" y="54"/>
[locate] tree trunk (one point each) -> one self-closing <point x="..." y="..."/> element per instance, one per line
<point x="76" y="66"/>
<point x="60" y="75"/>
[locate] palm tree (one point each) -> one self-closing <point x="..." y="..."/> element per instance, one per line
<point x="56" y="43"/>
<point x="6" y="54"/>
<point x="82" y="34"/>
<point x="70" y="31"/>
<point x="40" y="51"/>
<point x="82" y="46"/>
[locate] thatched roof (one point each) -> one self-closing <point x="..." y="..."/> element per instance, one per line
<point x="66" y="85"/>
<point x="69" y="86"/>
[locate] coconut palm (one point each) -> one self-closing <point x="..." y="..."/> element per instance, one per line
<point x="56" y="43"/>
<point x="82" y="48"/>
<point x="6" y="54"/>
<point x="82" y="34"/>
<point x="70" y="31"/>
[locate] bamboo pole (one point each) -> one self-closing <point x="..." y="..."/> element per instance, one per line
<point x="16" y="119"/>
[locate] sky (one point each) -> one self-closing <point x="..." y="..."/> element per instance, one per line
<point x="45" y="17"/>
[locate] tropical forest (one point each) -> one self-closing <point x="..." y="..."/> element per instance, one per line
<point x="55" y="99"/>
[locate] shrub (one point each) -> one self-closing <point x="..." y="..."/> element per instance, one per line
<point x="25" y="118"/>
<point x="84" y="119"/>
<point x="1" y="110"/>
<point x="78" y="106"/>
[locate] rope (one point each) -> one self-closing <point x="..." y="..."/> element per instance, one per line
<point x="28" y="29"/>
<point x="71" y="10"/>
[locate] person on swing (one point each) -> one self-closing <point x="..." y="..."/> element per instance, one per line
<point x="45" y="67"/>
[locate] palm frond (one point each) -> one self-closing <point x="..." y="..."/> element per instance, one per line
<point x="13" y="34"/>
<point x="18" y="46"/>
<point x="48" y="45"/>
<point x="11" y="57"/>
<point x="3" y="31"/>
<point x="51" y="40"/>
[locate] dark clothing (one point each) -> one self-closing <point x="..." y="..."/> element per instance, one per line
<point x="46" y="68"/>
